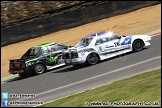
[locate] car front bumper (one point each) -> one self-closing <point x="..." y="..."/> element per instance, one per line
<point x="73" y="61"/>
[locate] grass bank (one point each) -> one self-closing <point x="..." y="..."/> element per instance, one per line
<point x="142" y="89"/>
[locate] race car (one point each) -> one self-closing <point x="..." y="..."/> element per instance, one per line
<point x="103" y="45"/>
<point x="38" y="59"/>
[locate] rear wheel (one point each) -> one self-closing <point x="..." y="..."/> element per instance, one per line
<point x="138" y="45"/>
<point x="92" y="59"/>
<point x="39" y="69"/>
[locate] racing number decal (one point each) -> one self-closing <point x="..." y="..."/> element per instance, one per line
<point x="116" y="44"/>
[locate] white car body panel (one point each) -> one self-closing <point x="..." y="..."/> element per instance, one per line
<point x="105" y="50"/>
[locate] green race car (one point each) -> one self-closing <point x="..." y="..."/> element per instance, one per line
<point x="38" y="59"/>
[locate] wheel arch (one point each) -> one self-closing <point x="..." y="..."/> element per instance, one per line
<point x="137" y="40"/>
<point x="39" y="62"/>
<point x="94" y="53"/>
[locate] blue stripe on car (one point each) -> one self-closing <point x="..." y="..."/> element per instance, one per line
<point x="83" y="46"/>
<point x="108" y="46"/>
<point x="127" y="40"/>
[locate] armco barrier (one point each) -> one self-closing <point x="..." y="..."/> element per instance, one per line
<point x="75" y="16"/>
<point x="13" y="11"/>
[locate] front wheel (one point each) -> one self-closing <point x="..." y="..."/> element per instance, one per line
<point x="138" y="45"/>
<point x="92" y="59"/>
<point x="39" y="69"/>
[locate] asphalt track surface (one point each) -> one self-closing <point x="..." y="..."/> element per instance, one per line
<point x="69" y="80"/>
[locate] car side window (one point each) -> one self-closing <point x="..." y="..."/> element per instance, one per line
<point x="104" y="39"/>
<point x="116" y="36"/>
<point x="60" y="47"/>
<point x="49" y="48"/>
<point x="83" y="41"/>
<point x="32" y="51"/>
<point x="45" y="50"/>
<point x="53" y="48"/>
<point x="39" y="53"/>
<point x="98" y="41"/>
<point x="111" y="38"/>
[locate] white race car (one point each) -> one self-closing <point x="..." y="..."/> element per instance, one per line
<point x="103" y="45"/>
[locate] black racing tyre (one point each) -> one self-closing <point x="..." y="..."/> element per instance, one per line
<point x="39" y="69"/>
<point x="138" y="45"/>
<point x="92" y="59"/>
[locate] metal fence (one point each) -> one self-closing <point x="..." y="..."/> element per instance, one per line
<point x="72" y="17"/>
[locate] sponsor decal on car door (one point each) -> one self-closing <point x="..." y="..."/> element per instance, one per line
<point x="125" y="42"/>
<point x="111" y="45"/>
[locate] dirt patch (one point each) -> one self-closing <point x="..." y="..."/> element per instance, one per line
<point x="137" y="22"/>
<point x="22" y="10"/>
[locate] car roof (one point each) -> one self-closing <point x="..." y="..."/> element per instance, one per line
<point x="45" y="44"/>
<point x="97" y="34"/>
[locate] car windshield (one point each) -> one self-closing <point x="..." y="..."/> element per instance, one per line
<point x="34" y="51"/>
<point x="85" y="41"/>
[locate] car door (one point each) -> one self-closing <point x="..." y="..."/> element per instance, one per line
<point x="48" y="60"/>
<point x="58" y="52"/>
<point x="103" y="45"/>
<point x="100" y="46"/>
<point x="111" y="45"/>
<point x="120" y="42"/>
<point x="53" y="55"/>
<point x="114" y="40"/>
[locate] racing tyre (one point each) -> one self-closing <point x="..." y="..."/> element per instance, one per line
<point x="138" y="45"/>
<point x="39" y="69"/>
<point x="92" y="59"/>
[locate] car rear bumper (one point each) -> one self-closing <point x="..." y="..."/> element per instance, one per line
<point x="17" y="71"/>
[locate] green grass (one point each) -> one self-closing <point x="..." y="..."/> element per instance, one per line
<point x="145" y="87"/>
